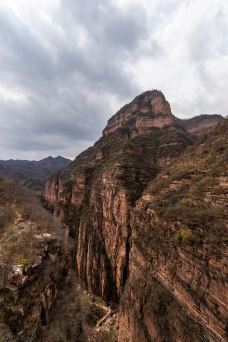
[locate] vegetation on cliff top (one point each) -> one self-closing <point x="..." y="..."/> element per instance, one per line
<point x="189" y="197"/>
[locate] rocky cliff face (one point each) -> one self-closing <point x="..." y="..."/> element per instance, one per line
<point x="115" y="197"/>
<point x="147" y="110"/>
<point x="100" y="187"/>
<point x="177" y="289"/>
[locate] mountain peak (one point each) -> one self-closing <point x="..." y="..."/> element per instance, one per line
<point x="151" y="109"/>
<point x="147" y="110"/>
<point x="54" y="159"/>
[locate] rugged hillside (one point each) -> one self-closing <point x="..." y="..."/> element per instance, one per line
<point x="40" y="298"/>
<point x="32" y="174"/>
<point x="34" y="264"/>
<point x="101" y="197"/>
<point x="178" y="260"/>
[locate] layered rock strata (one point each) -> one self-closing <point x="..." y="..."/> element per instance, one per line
<point x="126" y="200"/>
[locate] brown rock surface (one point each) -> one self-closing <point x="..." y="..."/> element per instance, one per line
<point x="144" y="219"/>
<point x="97" y="202"/>
<point x="147" y="110"/>
<point x="178" y="261"/>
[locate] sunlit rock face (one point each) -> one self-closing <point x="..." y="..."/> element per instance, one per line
<point x="131" y="204"/>
<point x="147" y="110"/>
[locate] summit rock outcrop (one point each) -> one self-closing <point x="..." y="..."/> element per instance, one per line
<point x="146" y="111"/>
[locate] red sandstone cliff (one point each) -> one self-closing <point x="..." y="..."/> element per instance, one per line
<point x="164" y="270"/>
<point x="146" y="111"/>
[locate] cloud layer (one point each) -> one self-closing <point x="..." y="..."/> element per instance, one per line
<point x="67" y="65"/>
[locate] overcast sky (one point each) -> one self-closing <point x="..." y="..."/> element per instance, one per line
<point x="67" y="65"/>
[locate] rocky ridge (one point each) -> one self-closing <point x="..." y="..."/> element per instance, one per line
<point x="162" y="269"/>
<point x="200" y="125"/>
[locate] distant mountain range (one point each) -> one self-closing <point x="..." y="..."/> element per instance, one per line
<point x="32" y="174"/>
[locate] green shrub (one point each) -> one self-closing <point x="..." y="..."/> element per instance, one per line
<point x="184" y="236"/>
<point x="24" y="262"/>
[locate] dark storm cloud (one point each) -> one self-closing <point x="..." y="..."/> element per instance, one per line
<point x="70" y="87"/>
<point x="67" y="65"/>
<point x="108" y="24"/>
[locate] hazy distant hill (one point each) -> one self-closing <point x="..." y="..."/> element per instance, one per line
<point x="32" y="174"/>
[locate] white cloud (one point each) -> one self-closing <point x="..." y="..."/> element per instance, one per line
<point x="13" y="95"/>
<point x="194" y="46"/>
